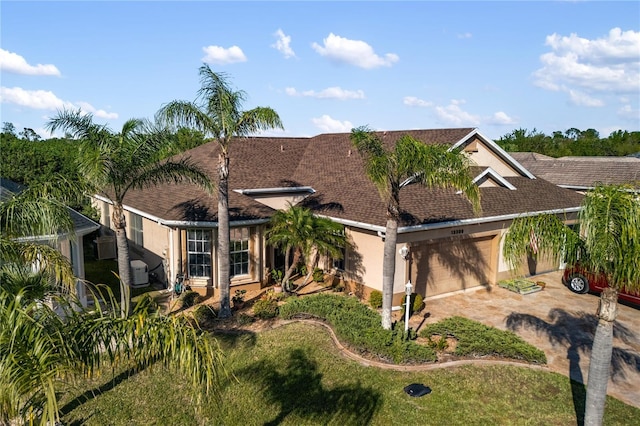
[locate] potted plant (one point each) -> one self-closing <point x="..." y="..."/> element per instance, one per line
<point x="276" y="275"/>
<point x="238" y="299"/>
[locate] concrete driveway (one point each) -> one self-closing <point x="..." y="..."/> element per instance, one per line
<point x="557" y="321"/>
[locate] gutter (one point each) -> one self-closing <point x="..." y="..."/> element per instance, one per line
<point x="282" y="190"/>
<point x="449" y="224"/>
<point x="356" y="224"/>
<point x="183" y="223"/>
<point x="474" y="221"/>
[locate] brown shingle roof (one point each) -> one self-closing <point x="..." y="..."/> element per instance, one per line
<point x="330" y="164"/>
<point x="581" y="172"/>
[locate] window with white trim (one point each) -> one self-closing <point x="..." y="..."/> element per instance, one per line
<point x="199" y="252"/>
<point x="339" y="263"/>
<point x="239" y="251"/>
<point x="135" y="228"/>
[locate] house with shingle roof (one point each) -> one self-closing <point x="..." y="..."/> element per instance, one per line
<point x="69" y="244"/>
<point x="450" y="248"/>
<point x="582" y="173"/>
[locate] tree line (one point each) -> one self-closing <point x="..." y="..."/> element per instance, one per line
<point x="572" y="142"/>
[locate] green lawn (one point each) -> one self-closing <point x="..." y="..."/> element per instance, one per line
<point x="294" y="375"/>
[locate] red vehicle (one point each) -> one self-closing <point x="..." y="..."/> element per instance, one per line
<point x="579" y="280"/>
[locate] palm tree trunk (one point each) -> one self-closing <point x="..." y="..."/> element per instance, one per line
<point x="224" y="236"/>
<point x="600" y="363"/>
<point x="289" y="271"/>
<point x="312" y="268"/>
<point x="388" y="270"/>
<point x="124" y="258"/>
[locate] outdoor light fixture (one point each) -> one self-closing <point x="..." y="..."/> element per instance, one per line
<point x="404" y="252"/>
<point x="407" y="288"/>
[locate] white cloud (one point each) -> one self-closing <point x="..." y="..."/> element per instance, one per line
<point x="36" y="99"/>
<point x="100" y="113"/>
<point x="330" y="125"/>
<point x="465" y="35"/>
<point x="283" y="44"/>
<point x="416" y="102"/>
<point x="12" y="62"/>
<point x="501" y="118"/>
<point x="221" y="56"/>
<point x="606" y="65"/>
<point x="328" y="93"/>
<point x="453" y="114"/>
<point x="47" y="100"/>
<point x="582" y="99"/>
<point x="354" y="52"/>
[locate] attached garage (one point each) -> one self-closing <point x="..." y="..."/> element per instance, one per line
<point x="453" y="264"/>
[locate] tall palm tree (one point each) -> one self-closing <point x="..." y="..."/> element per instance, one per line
<point x="115" y="163"/>
<point x="42" y="349"/>
<point x="409" y="162"/>
<point x="607" y="243"/>
<point x="217" y="113"/>
<point x="303" y="236"/>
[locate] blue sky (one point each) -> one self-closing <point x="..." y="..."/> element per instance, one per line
<point x="330" y="66"/>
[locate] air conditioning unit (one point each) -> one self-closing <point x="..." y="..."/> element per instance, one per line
<point x="105" y="248"/>
<point x="139" y="274"/>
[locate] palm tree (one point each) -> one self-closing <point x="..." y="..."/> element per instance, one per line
<point x="218" y="113"/>
<point x="38" y="210"/>
<point x="304" y="236"/>
<point x="115" y="163"/>
<point x="410" y="161"/>
<point x="607" y="243"/>
<point x="41" y="349"/>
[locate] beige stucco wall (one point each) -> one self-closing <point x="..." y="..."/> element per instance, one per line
<point x="280" y="202"/>
<point x="485" y="157"/>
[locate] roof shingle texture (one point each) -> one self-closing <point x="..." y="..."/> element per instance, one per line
<point x="581" y="171"/>
<point x="331" y="165"/>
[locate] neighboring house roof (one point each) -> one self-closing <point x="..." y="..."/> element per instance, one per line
<point x="582" y="172"/>
<point x="330" y="165"/>
<point x="82" y="224"/>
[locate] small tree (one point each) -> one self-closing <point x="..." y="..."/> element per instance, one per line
<point x="304" y="236"/>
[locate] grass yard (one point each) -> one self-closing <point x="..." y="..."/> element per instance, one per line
<point x="294" y="375"/>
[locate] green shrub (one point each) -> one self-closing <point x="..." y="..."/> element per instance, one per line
<point x="359" y="327"/>
<point x="375" y="299"/>
<point x="418" y="303"/>
<point x="190" y="298"/>
<point x="265" y="308"/>
<point x="477" y="339"/>
<point x="204" y="314"/>
<point x="318" y="275"/>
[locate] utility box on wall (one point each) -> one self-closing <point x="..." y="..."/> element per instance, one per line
<point x="139" y="274"/>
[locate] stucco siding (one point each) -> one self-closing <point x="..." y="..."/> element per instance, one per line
<point x="482" y="155"/>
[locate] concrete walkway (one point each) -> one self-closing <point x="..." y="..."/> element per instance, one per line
<point x="557" y="321"/>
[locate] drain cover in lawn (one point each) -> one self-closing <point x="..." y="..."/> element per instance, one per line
<point x="417" y="389"/>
